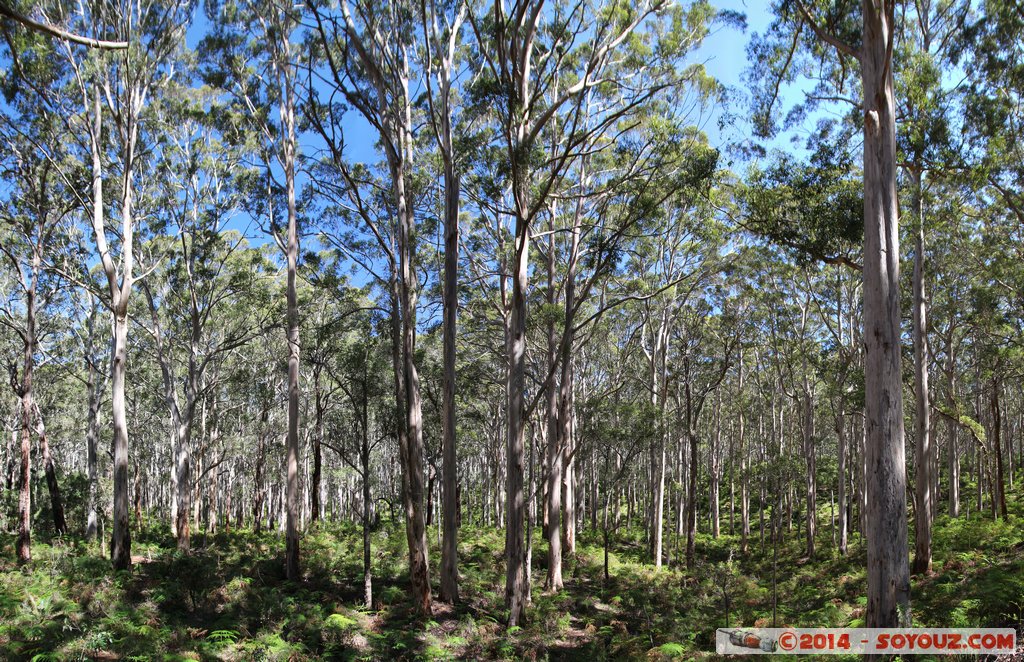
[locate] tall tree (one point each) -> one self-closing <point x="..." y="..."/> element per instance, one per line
<point x="34" y="229"/>
<point x="369" y="51"/>
<point x="442" y="34"/>
<point x="267" y="30"/>
<point x="927" y="40"/>
<point x="845" y="36"/>
<point x="531" y="97"/>
<point x="121" y="84"/>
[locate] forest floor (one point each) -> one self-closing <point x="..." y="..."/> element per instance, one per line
<point x="228" y="600"/>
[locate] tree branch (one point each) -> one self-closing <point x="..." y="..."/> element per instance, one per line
<point x="52" y="31"/>
<point x="836" y="43"/>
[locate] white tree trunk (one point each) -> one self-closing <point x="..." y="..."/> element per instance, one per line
<point x="886" y="517"/>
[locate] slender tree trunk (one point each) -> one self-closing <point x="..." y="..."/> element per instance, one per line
<point x="659" y="503"/>
<point x="287" y="110"/>
<point x="180" y="431"/>
<point x="691" y="488"/>
<point x="515" y="553"/>
<point x="810" y="455"/>
<point x="714" y="479"/>
<point x="922" y="424"/>
<point x="419" y="564"/>
<point x="841" y="497"/>
<point x="553" y="504"/>
<point x="744" y="485"/>
<point x="137" y="496"/>
<point x="691" y="502"/>
<point x="24" y="543"/>
<point x="364" y="466"/>
<point x="404" y="289"/>
<point x="257" y="481"/>
<point x="999" y="492"/>
<point x="531" y="510"/>
<point x="52" y="486"/>
<point x="316" y="477"/>
<point x="568" y="427"/>
<point x="888" y="567"/>
<point x="121" y="540"/>
<point x="213" y="490"/>
<point x="450" y="468"/>
<point x="658" y="374"/>
<point x="228" y="512"/>
<point x="91" y="440"/>
<point x="953" y="451"/>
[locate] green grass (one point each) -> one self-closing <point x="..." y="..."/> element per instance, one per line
<point x="228" y="600"/>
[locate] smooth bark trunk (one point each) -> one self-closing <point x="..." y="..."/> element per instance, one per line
<point x="515" y="553"/>
<point x="91" y="441"/>
<point x="886" y="518"/>
<point x="999" y="491"/>
<point x="922" y="423"/>
<point x="292" y="569"/>
<point x="553" y="504"/>
<point x="121" y="538"/>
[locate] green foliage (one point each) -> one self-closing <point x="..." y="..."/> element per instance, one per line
<point x="340" y="622"/>
<point x="223" y="637"/>
<point x="814" y="209"/>
<point x="672" y="651"/>
<point x="976" y="429"/>
<point x="245" y="610"/>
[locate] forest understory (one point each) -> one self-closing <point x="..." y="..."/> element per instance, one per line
<point x="229" y="600"/>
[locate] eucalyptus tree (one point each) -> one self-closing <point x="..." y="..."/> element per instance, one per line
<point x="90" y="319"/>
<point x="950" y="323"/>
<point x="255" y="62"/>
<point x="835" y="300"/>
<point x="357" y="369"/>
<point x="845" y="37"/>
<point x="927" y="47"/>
<point x="814" y="211"/>
<point x="616" y="413"/>
<point x="369" y="51"/>
<point x="35" y="227"/>
<point x="996" y="331"/>
<point x="442" y="39"/>
<point x="540" y="67"/>
<point x="800" y="331"/>
<point x="662" y="160"/>
<point x="705" y="349"/>
<point x="993" y="50"/>
<point x="677" y="254"/>
<point x="206" y="301"/>
<point x="119" y="83"/>
<point x="210" y="279"/>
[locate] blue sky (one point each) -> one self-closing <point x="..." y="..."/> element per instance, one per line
<point x="723" y="55"/>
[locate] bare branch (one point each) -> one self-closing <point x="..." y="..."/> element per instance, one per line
<point x="52" y="31"/>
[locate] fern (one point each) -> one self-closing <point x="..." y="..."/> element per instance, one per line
<point x="223" y="637"/>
